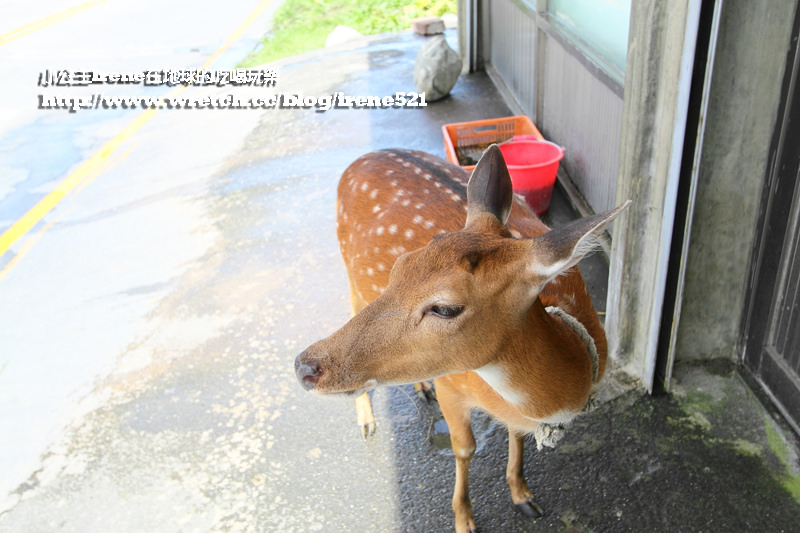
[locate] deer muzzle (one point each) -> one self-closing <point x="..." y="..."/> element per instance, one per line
<point x="307" y="370"/>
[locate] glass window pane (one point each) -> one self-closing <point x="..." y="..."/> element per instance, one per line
<point x="602" y="24"/>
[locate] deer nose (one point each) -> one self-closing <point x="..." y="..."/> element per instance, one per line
<point x="308" y="373"/>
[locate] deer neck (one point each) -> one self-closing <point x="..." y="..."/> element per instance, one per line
<point x="556" y="355"/>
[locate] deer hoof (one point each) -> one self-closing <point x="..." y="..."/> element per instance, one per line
<point x="367" y="430"/>
<point x="471" y="528"/>
<point x="530" y="508"/>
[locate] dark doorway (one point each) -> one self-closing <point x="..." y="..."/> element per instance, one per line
<point x="771" y="333"/>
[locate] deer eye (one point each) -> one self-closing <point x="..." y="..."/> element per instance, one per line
<point x="445" y="311"/>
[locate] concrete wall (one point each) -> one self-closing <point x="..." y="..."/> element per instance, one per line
<point x="745" y="91"/>
<point x="572" y="94"/>
<point x="652" y="136"/>
<point x="748" y="71"/>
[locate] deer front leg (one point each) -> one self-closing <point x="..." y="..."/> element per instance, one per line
<point x="520" y="493"/>
<point x="462" y="440"/>
<point x="424" y="390"/>
<point x="364" y="416"/>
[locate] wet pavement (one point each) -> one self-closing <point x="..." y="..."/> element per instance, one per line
<point x="76" y="290"/>
<point x="198" y="423"/>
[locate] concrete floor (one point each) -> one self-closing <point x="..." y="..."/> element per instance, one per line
<point x="222" y="438"/>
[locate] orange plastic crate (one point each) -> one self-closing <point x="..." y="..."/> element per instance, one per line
<point x="464" y="142"/>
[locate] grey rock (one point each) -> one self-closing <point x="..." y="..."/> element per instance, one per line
<point x="437" y="68"/>
<point x="341" y="34"/>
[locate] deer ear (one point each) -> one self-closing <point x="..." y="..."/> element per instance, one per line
<point x="489" y="189"/>
<point x="559" y="249"/>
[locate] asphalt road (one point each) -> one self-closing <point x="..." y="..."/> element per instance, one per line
<point x="108" y="193"/>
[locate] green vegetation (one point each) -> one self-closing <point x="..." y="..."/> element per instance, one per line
<point x="790" y="481"/>
<point x="302" y="25"/>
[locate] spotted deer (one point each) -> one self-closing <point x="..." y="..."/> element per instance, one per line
<point x="461" y="283"/>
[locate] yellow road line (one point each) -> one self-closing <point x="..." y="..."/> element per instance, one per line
<point x="52" y="199"/>
<point x="237" y="33"/>
<point x="33" y="239"/>
<point x="84" y="170"/>
<point x="47" y="21"/>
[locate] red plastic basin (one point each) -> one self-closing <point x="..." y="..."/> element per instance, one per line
<point x="533" y="166"/>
